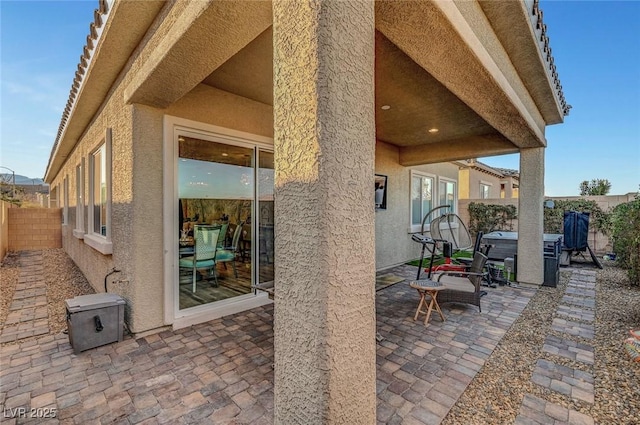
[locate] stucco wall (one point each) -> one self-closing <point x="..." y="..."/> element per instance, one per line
<point x="95" y="265"/>
<point x="137" y="191"/>
<point x="476" y="177"/>
<point x="209" y="105"/>
<point x="393" y="234"/>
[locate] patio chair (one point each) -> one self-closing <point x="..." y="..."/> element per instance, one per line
<point x="205" y="245"/>
<point x="223" y="235"/>
<point x="228" y="254"/>
<point x="463" y="287"/>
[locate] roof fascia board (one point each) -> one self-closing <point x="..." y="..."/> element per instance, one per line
<point x="123" y="28"/>
<point x="404" y="24"/>
<point x="450" y="10"/>
<point x="455" y="150"/>
<point x="191" y="45"/>
<point x="513" y="20"/>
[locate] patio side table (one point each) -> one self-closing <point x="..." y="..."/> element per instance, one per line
<point x="427" y="287"/>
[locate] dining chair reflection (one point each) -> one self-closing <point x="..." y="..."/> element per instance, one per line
<point x="204" y="252"/>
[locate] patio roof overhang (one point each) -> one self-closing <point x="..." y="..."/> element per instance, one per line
<point x="475" y="71"/>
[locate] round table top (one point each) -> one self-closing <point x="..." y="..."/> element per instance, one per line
<point x="426" y="284"/>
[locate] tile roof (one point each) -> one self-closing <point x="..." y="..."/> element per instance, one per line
<point x="541" y="30"/>
<point x="95" y="29"/>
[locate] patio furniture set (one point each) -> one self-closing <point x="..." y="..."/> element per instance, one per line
<point x="451" y="286"/>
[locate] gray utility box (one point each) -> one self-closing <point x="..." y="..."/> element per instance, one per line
<point x="94" y="320"/>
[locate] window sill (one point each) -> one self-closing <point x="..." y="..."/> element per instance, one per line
<point x="79" y="234"/>
<point x="99" y="243"/>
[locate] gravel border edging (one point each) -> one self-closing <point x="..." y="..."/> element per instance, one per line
<point x="496" y="392"/>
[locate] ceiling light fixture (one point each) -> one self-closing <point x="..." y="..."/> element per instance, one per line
<point x="225" y="154"/>
<point x="433" y="130"/>
<point x="385" y="107"/>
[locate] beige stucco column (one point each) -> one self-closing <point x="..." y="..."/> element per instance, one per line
<point x="508" y="188"/>
<point x="324" y="139"/>
<point x="530" y="216"/>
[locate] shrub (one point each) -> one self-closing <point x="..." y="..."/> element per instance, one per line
<point x="554" y="217"/>
<point x="625" y="232"/>
<point x="487" y="218"/>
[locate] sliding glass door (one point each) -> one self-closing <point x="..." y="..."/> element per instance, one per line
<point x="223" y="204"/>
<point x="216" y="191"/>
<point x="265" y="252"/>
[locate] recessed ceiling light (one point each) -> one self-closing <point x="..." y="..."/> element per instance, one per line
<point x="225" y="154"/>
<point x="385" y="107"/>
<point x="433" y="130"/>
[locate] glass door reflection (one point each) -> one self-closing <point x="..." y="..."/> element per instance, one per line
<point x="265" y="246"/>
<point x="216" y="191"/>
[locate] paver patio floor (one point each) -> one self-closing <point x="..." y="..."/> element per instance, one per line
<point x="220" y="372"/>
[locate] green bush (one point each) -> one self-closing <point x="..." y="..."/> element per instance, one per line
<point x="554" y="217"/>
<point x="625" y="232"/>
<point x="487" y="218"/>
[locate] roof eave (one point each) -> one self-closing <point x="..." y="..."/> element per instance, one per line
<point x="114" y="34"/>
<point x="513" y="20"/>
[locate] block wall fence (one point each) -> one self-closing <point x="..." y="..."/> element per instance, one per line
<point x="597" y="241"/>
<point x="4" y="229"/>
<point x="34" y="228"/>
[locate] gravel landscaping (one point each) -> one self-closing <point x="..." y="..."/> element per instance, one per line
<point x="63" y="279"/>
<point x="8" y="279"/>
<point x="495" y="395"/>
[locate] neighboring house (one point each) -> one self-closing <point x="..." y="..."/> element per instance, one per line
<point x="269" y="120"/>
<point x="481" y="181"/>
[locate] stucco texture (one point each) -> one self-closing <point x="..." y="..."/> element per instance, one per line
<point x="137" y="195"/>
<point x="531" y="216"/>
<point x="393" y="229"/>
<point x="117" y="116"/>
<point x="324" y="152"/>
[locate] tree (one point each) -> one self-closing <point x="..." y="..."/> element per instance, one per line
<point x="595" y="187"/>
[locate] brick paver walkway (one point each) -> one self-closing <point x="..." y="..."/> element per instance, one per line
<point x="574" y="326"/>
<point x="28" y="313"/>
<point x="220" y="372"/>
<point x="423" y="371"/>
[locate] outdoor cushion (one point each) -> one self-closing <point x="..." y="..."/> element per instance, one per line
<point x="454" y="283"/>
<point x="225" y="255"/>
<point x="188" y="262"/>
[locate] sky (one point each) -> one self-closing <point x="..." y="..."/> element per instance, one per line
<point x="595" y="46"/>
<point x="596" y="49"/>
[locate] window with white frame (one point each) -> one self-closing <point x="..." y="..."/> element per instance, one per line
<point x="99" y="191"/>
<point x="485" y="191"/>
<point x="422" y="198"/>
<point x="65" y="201"/>
<point x="79" y="230"/>
<point x="447" y="194"/>
<point x="99" y="224"/>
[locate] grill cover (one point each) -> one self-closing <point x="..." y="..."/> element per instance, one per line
<point x="576" y="230"/>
